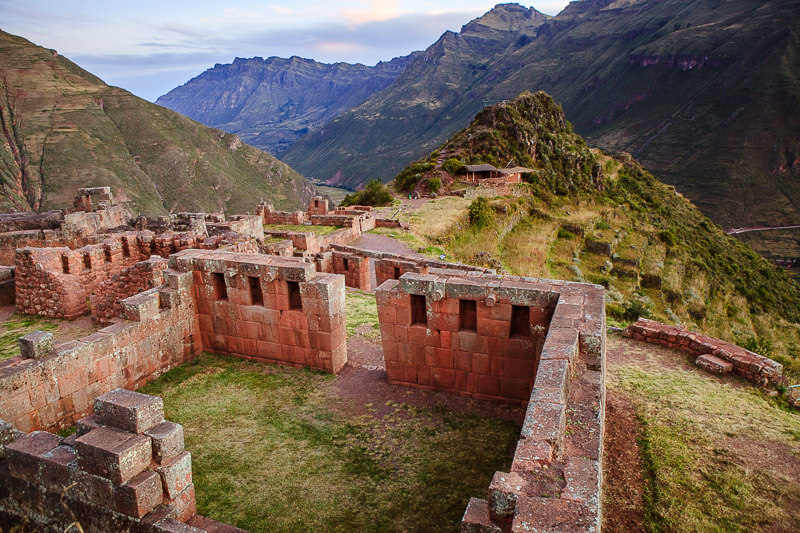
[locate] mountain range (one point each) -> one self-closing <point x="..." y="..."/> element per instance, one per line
<point x="272" y="102"/>
<point x="62" y="128"/>
<point x="703" y="92"/>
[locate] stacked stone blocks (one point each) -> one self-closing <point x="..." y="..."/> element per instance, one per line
<point x="713" y="355"/>
<point x="52" y="385"/>
<point x="271" y="309"/>
<point x="125" y="470"/>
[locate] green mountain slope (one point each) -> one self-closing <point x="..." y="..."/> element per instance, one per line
<point x="587" y="216"/>
<point x="436" y="95"/>
<point x="63" y="128"/>
<point x="705" y="93"/>
<point x="272" y="102"/>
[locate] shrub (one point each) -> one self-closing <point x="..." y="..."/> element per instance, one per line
<point x="434" y="185"/>
<point x="481" y="214"/>
<point x="667" y="236"/>
<point x="602" y="225"/>
<point x="565" y="234"/>
<point x="635" y="310"/>
<point x="453" y="166"/>
<point x="374" y="194"/>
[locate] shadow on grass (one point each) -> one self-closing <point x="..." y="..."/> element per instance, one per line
<point x="273" y="451"/>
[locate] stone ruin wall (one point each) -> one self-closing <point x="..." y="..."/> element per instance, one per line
<point x="125" y="469"/>
<point x="106" y="303"/>
<point x="557" y="369"/>
<point x="714" y="355"/>
<point x="51" y="386"/>
<point x="268" y="308"/>
<point x="458" y="335"/>
<point x="59" y="282"/>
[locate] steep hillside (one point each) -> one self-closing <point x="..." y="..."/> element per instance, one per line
<point x="587" y="216"/>
<point x="704" y="93"/>
<point x="63" y="128"/>
<point x="272" y="102"/>
<point x="436" y="95"/>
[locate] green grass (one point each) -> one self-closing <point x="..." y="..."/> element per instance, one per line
<point x="271" y="452"/>
<point x="317" y="230"/>
<point x="697" y="440"/>
<point x="15" y="327"/>
<point x="361" y="309"/>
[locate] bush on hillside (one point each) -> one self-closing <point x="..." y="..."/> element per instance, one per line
<point x="374" y="194"/>
<point x="453" y="166"/>
<point x="434" y="185"/>
<point x="480" y="213"/>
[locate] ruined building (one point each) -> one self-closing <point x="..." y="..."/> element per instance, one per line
<point x="165" y="290"/>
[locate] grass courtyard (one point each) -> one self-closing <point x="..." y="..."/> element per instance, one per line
<point x="275" y="449"/>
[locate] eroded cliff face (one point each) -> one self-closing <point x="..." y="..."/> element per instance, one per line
<point x="272" y="102"/>
<point x="61" y="128"/>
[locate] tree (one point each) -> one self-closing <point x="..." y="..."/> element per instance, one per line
<point x="374" y="194"/>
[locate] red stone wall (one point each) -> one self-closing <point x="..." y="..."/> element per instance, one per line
<point x="343" y="236"/>
<point x="445" y="354"/>
<point x="54" y="390"/>
<point x="107" y="303"/>
<point x="301" y="240"/>
<point x="58" y="281"/>
<point x="266" y="323"/>
<point x="354" y="268"/>
<point x="387" y="268"/>
<point x="755" y="368"/>
<point x="125" y="469"/>
<point x="270" y="216"/>
<point x="318" y="206"/>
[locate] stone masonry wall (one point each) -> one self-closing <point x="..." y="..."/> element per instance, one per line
<point x="268" y="308"/>
<point x="59" y="281"/>
<point x="51" y="386"/>
<point x="270" y="216"/>
<point x="354" y="268"/>
<point x="442" y="349"/>
<point x="125" y="469"/>
<point x="712" y="354"/>
<point x="555" y="479"/>
<point x="387" y="268"/>
<point x="318" y="206"/>
<point x="107" y="303"/>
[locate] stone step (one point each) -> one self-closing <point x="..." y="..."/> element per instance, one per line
<point x="713" y="364"/>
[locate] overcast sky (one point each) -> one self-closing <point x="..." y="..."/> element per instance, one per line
<point x="149" y="47"/>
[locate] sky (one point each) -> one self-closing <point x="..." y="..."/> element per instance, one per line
<point x="149" y="47"/>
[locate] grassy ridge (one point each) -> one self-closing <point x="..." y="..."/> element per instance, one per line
<point x="587" y="216"/>
<point x="63" y="128"/>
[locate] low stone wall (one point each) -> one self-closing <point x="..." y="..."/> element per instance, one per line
<point x="354" y="268"/>
<point x="270" y="216"/>
<point x="283" y="248"/>
<point x="125" y="470"/>
<point x="51" y="386"/>
<point x="247" y="225"/>
<point x="712" y="354"/>
<point x="302" y="240"/>
<point x="343" y="236"/>
<point x="142" y="276"/>
<point x="58" y="281"/>
<point x="388" y="223"/>
<point x="268" y="308"/>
